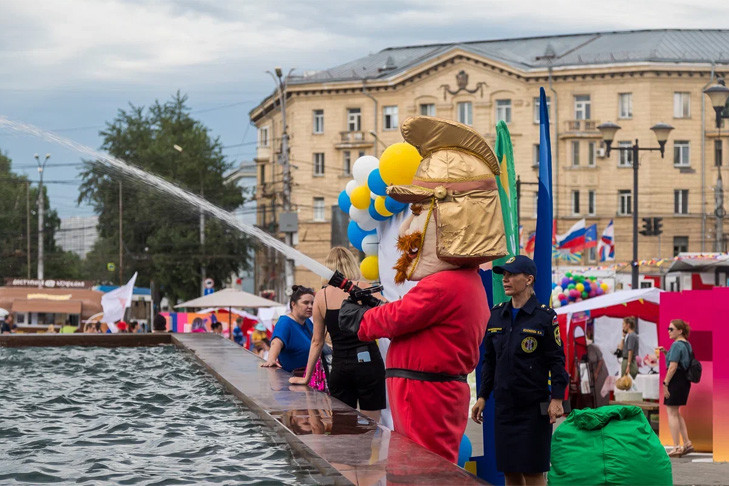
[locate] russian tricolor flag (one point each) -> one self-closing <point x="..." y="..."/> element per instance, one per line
<point x="606" y="247"/>
<point x="574" y="239"/>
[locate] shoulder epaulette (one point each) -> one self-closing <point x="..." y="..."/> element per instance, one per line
<point x="497" y="306"/>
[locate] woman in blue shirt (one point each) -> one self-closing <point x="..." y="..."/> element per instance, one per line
<point x="676" y="385"/>
<point x="292" y="335"/>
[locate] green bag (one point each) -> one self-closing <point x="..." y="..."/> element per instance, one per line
<point x="608" y="445"/>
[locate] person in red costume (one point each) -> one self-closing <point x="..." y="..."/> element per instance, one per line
<point x="437" y="327"/>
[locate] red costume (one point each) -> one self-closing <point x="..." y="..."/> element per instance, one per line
<point x="437" y="327"/>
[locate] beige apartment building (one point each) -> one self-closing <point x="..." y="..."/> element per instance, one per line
<point x="635" y="79"/>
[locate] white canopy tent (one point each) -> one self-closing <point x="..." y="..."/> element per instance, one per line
<point x="229" y="298"/>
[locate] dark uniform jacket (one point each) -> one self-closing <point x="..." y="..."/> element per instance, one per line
<point x="520" y="355"/>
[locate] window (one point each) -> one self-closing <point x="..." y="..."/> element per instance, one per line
<point x="361" y="154"/>
<point x="718" y="155"/>
<point x="319" y="164"/>
<point x="318" y="121"/>
<point x="354" y="119"/>
<point x="465" y="112"/>
<point x="681" y="154"/>
<point x="582" y="107"/>
<point x="591" y="203"/>
<point x="319" y="211"/>
<point x="591" y="153"/>
<point x="680" y="245"/>
<point x="625" y="105"/>
<point x="625" y="157"/>
<point x="263" y="137"/>
<point x="681" y="104"/>
<point x="262" y="177"/>
<point x="535" y="155"/>
<point x="625" y="202"/>
<point x="575" y="203"/>
<point x="503" y="110"/>
<point x="537" y="109"/>
<point x="575" y="154"/>
<point x="346" y="163"/>
<point x="592" y="254"/>
<point x="680" y="201"/>
<point x="389" y="118"/>
<point x="427" y="109"/>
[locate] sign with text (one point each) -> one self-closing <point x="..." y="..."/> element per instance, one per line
<point x="48" y="283"/>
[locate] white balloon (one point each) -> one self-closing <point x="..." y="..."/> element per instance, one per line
<point x="362" y="168"/>
<point x="556" y="304"/>
<point x="370" y="244"/>
<point x="351" y="185"/>
<point x="362" y="218"/>
<point x="559" y="289"/>
<point x="373" y="196"/>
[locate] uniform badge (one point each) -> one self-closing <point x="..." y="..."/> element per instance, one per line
<point x="511" y="260"/>
<point x="557" y="337"/>
<point x="529" y="344"/>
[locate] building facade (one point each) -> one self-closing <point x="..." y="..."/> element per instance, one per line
<point x="78" y="234"/>
<point x="635" y="79"/>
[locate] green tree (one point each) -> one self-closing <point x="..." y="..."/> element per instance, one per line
<point x="16" y="194"/>
<point x="161" y="236"/>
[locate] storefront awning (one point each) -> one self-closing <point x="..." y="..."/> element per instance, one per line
<point x="50" y="306"/>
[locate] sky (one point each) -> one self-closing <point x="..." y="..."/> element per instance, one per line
<point x="68" y="66"/>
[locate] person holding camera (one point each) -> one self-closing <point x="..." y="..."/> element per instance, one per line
<point x="630" y="348"/>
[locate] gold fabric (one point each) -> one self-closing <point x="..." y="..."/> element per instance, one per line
<point x="469" y="225"/>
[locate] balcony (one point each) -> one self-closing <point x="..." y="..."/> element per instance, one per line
<point x="355" y="139"/>
<point x="580" y="129"/>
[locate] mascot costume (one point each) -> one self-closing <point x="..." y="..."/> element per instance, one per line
<point x="437" y="327"/>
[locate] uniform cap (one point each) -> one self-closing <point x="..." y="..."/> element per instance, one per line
<point x="518" y="264"/>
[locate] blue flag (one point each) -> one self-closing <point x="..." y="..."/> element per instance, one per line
<point x="543" y="240"/>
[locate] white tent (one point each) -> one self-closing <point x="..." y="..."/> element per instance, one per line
<point x="609" y="300"/>
<point x="229" y="298"/>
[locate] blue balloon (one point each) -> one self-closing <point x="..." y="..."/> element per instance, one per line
<point x="394" y="206"/>
<point x="376" y="184"/>
<point x="564" y="302"/>
<point x="464" y="451"/>
<point x="344" y="202"/>
<point x="375" y="215"/>
<point x="357" y="234"/>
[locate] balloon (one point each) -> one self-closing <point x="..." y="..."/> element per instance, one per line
<point x="600" y="291"/>
<point x="561" y="296"/>
<point x="355" y="234"/>
<point x="464" y="451"/>
<point x="381" y="208"/>
<point x="565" y="282"/>
<point x="351" y="185"/>
<point x="583" y="294"/>
<point x="556" y="304"/>
<point x="394" y="206"/>
<point x="559" y="288"/>
<point x="564" y="302"/>
<point x="604" y="287"/>
<point x="568" y="274"/>
<point x="398" y="164"/>
<point x="362" y="168"/>
<point x="370" y="244"/>
<point x="571" y="286"/>
<point x="369" y="268"/>
<point x="593" y="293"/>
<point x="579" y="287"/>
<point x="344" y="202"/>
<point x="363" y="218"/>
<point x="376" y="184"/>
<point x="360" y="197"/>
<point x="374" y="214"/>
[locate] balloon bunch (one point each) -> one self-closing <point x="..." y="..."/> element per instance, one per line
<point x="576" y="288"/>
<point x="366" y="201"/>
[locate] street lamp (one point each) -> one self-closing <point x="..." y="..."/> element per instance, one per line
<point x="718" y="94"/>
<point x="374" y="135"/>
<point x="661" y="130"/>
<point x="41" y="208"/>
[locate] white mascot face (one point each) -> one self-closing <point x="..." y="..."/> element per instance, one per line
<point x="418" y="257"/>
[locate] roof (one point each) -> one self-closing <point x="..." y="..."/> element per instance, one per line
<point x="136" y="291"/>
<point x="697" y="262"/>
<point x="229" y="298"/>
<point x="615" y="298"/>
<point x="528" y="53"/>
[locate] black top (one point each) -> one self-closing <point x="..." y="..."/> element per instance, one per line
<point x="521" y="353"/>
<point x="344" y="344"/>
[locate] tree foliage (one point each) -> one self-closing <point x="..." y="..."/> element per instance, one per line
<point x="161" y="235"/>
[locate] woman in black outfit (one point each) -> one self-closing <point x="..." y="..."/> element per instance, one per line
<point x="358" y="372"/>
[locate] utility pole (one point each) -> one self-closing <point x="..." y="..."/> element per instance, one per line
<point x="27" y="226"/>
<point x="203" y="270"/>
<point x="121" y="240"/>
<point x="41" y="167"/>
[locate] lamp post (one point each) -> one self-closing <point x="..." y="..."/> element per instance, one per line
<point x="377" y="139"/>
<point x="661" y="130"/>
<point x="41" y="208"/>
<point x="718" y="94"/>
<point x="281" y="82"/>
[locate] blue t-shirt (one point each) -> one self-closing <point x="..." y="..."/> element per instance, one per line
<point x="514" y="312"/>
<point x="679" y="353"/>
<point x="296" y="339"/>
<point x="238" y="335"/>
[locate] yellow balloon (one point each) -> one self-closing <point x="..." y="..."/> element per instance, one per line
<point x="360" y="197"/>
<point x="580" y="287"/>
<point x="380" y="206"/>
<point x="398" y="164"/>
<point x="369" y="268"/>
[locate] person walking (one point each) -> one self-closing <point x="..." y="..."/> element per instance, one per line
<point x="291" y="338"/>
<point x="631" y="348"/>
<point x="523" y="346"/>
<point x="676" y="386"/>
<point x="358" y="372"/>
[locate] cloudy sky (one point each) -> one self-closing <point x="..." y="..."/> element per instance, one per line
<point x="69" y="65"/>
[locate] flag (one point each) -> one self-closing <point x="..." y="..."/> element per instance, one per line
<point x="114" y="303"/>
<point x="591" y="236"/>
<point x="606" y="247"/>
<point x="545" y="222"/>
<point x="521" y="238"/>
<point x="529" y="247"/>
<point x="566" y="255"/>
<point x="574" y="239"/>
<point x="506" y="183"/>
